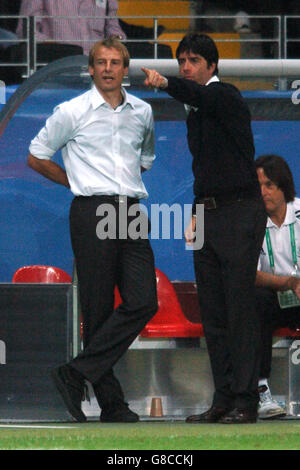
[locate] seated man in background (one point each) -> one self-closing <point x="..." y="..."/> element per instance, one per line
<point x="278" y="268"/>
<point x="79" y="31"/>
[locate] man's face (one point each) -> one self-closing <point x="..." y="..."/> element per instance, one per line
<point x="195" y="67"/>
<point x="272" y="195"/>
<point x="108" y="69"/>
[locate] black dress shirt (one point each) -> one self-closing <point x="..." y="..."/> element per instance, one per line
<point x="219" y="137"/>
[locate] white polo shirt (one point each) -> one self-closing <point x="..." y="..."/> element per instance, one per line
<point x="103" y="149"/>
<point x="281" y="242"/>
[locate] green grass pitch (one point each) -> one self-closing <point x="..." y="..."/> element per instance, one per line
<point x="163" y="435"/>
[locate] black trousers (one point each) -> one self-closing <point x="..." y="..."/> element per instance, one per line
<point x="272" y="317"/>
<point x="225" y="271"/>
<point x="101" y="265"/>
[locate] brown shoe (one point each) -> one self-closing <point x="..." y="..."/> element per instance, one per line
<point x="240" y="416"/>
<point x="213" y="415"/>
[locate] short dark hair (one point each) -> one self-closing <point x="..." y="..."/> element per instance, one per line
<point x="200" y="44"/>
<point x="278" y="171"/>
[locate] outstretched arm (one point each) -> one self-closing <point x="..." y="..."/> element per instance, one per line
<point x="186" y="91"/>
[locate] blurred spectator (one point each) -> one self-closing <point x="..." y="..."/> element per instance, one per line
<point x="6" y="34"/>
<point x="242" y="9"/>
<point x="8" y="25"/>
<point x="84" y="23"/>
<point x="145" y="49"/>
<point x="82" y="31"/>
<point x="79" y="30"/>
<point x="242" y="22"/>
<point x="138" y="31"/>
<point x="269" y="27"/>
<point x="9" y="7"/>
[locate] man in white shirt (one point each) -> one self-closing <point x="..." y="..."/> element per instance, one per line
<point x="278" y="268"/>
<point x="107" y="139"/>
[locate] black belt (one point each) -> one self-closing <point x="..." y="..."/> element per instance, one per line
<point x="120" y="199"/>
<point x="213" y="202"/>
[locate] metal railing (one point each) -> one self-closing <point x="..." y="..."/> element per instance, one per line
<point x="286" y="39"/>
<point x="30" y="62"/>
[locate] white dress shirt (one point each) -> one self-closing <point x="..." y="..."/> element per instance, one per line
<point x="103" y="149"/>
<point x="281" y="243"/>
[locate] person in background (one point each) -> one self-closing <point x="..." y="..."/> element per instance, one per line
<point x="9" y="8"/>
<point x="8" y="25"/>
<point x="107" y="141"/>
<point x="278" y="267"/>
<point x="79" y="30"/>
<point x="221" y="142"/>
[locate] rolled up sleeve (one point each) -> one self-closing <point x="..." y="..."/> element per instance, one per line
<point x="148" y="156"/>
<point x="53" y="136"/>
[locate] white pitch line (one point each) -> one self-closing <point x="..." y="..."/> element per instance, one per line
<point x="34" y="426"/>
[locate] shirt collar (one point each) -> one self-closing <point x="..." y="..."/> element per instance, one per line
<point x="290" y="216"/>
<point x="128" y="99"/>
<point x="213" y="79"/>
<point x="98" y="100"/>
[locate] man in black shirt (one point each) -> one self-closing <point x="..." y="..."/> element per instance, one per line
<point x="221" y="142"/>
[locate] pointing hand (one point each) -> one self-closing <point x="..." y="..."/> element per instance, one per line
<point x="154" y="79"/>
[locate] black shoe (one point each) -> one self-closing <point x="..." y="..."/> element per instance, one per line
<point x="118" y="414"/>
<point x="240" y="416"/>
<point x="212" y="415"/>
<point x="71" y="389"/>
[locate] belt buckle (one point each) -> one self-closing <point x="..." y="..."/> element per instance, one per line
<point x="209" y="203"/>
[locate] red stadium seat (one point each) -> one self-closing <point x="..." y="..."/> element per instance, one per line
<point x="287" y="332"/>
<point x="41" y="274"/>
<point x="169" y="321"/>
<point x="118" y="299"/>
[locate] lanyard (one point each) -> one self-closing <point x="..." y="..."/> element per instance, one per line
<point x="293" y="246"/>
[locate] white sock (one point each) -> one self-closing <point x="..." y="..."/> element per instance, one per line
<point x="263" y="382"/>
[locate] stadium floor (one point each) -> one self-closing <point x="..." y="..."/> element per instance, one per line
<point x="149" y="436"/>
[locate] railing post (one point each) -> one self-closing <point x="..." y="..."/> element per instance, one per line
<point x="32" y="46"/>
<point x="282" y="82"/>
<point x="155" y="38"/>
<point x="284" y="36"/>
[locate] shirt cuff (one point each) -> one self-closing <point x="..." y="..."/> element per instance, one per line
<point x="40" y="151"/>
<point x="147" y="162"/>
